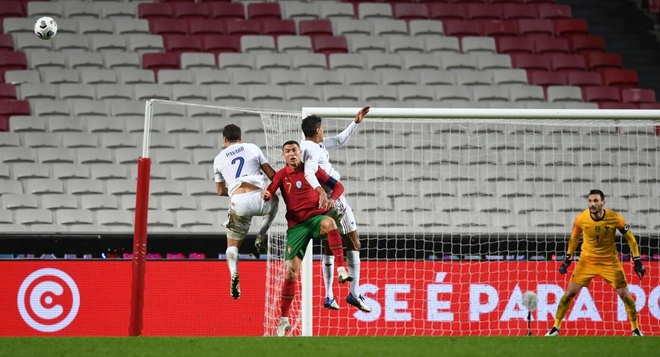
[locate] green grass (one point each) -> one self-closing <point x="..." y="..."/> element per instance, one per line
<point x="331" y="346"/>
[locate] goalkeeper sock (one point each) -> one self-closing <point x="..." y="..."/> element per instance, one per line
<point x="562" y="309"/>
<point x="232" y="259"/>
<point x="268" y="220"/>
<point x="328" y="274"/>
<point x="631" y="310"/>
<point x="288" y="292"/>
<point x="336" y="246"/>
<point x="353" y="264"/>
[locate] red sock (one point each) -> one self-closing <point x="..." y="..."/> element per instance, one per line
<point x="336" y="246"/>
<point x="288" y="291"/>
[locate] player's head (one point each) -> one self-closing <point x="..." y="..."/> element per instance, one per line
<point x="312" y="126"/>
<point x="231" y="134"/>
<point x="291" y="153"/>
<point x="596" y="201"/>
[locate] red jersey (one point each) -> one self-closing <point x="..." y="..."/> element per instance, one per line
<point x="301" y="199"/>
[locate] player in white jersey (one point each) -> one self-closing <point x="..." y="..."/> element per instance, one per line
<point x="238" y="174"/>
<point x="315" y="154"/>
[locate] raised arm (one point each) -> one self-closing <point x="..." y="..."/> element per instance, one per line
<point x="341" y="138"/>
<point x="310" y="157"/>
<point x="268" y="170"/>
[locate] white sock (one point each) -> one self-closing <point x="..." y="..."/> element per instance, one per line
<point x="232" y="259"/>
<point x="353" y="264"/>
<point x="328" y="274"/>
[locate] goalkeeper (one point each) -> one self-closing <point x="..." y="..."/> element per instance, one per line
<point x="305" y="215"/>
<point x="599" y="257"/>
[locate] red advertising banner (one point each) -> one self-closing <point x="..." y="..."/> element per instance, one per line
<point x="191" y="298"/>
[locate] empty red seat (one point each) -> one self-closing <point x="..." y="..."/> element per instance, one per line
<point x="512" y="45"/>
<point x="440" y="11"/>
<point x="536" y="28"/>
<point x="655" y="106"/>
<point x="568" y="63"/>
<point x="185" y="10"/>
<point x="155" y="10"/>
<point x="264" y="11"/>
<point x="531" y="62"/>
<point x="554" y="11"/>
<point x="620" y="78"/>
<point x="207" y="27"/>
<point x="4" y="123"/>
<point x="329" y="44"/>
<point x="277" y="27"/>
<point x="227" y="10"/>
<point x="484" y="12"/>
<point x="15" y="107"/>
<point x="545" y="78"/>
<point x="551" y="45"/>
<point x="158" y="61"/>
<point x="12" y="61"/>
<point x="519" y="11"/>
<point x="220" y="43"/>
<point x="11" y="9"/>
<point x="571" y="27"/>
<point x="636" y="95"/>
<point x="587" y="44"/>
<point x="6" y="42"/>
<point x="168" y="26"/>
<point x="499" y="29"/>
<point x="410" y="11"/>
<point x="584" y="79"/>
<point x="244" y="27"/>
<point x="460" y="28"/>
<point x="182" y="43"/>
<point x="313" y="28"/>
<point x="7" y="92"/>
<point x="613" y="105"/>
<point x="600" y="94"/>
<point x="601" y="61"/>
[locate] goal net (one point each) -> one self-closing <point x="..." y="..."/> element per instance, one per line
<point x="460" y="212"/>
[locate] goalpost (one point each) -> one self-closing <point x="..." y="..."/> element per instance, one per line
<point x="459" y="212"/>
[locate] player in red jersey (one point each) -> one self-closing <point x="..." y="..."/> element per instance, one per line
<point x="305" y="209"/>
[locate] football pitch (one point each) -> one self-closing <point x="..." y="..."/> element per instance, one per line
<point x="330" y="346"/>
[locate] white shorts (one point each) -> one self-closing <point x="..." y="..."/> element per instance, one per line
<point x="343" y="215"/>
<point x="242" y="208"/>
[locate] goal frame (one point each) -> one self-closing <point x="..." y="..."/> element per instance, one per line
<point x="144" y="167"/>
<point x="306" y="305"/>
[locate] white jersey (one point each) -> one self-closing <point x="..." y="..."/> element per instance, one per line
<point x="239" y="163"/>
<point x="316" y="155"/>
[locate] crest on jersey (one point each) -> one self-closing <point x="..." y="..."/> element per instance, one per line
<point x="298" y="185"/>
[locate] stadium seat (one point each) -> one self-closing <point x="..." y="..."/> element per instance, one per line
<point x="277" y="27"/>
<point x="104" y="43"/>
<point x="12" y="61"/>
<point x="388" y="27"/>
<point x="76" y="91"/>
<point x="194" y="11"/>
<point x="250" y="77"/>
<point x="19" y="201"/>
<point x="226" y="10"/>
<point x="218" y="44"/>
<point x="264" y="11"/>
<point x="11" y="9"/>
<point x="425" y="28"/>
<point x="116" y="10"/>
<point x="443" y="11"/>
<point x="278" y="61"/>
<point x="587" y="44"/>
<point x="536" y="28"/>
<point x="571" y="27"/>
<point x="510" y="77"/>
<point x="368" y="10"/>
<point x="620" y="78"/>
<point x="519" y="11"/>
<point x="547" y="45"/>
<point x="601" y="61"/>
<point x="460" y="28"/>
<point x="478" y="44"/>
<point x="635" y="95"/>
<point x="182" y="43"/>
<point x="531" y="62"/>
<point x="60" y="202"/>
<point x="257" y="44"/>
<point x="38" y="9"/>
<point x="554" y="11"/>
<point x="300" y="11"/>
<point x="131" y="26"/>
<point x="515" y="45"/>
<point x="584" y="79"/>
<point x="568" y="63"/>
<point x="442" y="44"/>
<point x="600" y="94"/>
<point x="33" y="216"/>
<point x="499" y="29"/>
<point x="155" y="11"/>
<point x="121" y="218"/>
<point x="206" y="27"/>
<point x="410" y="11"/>
<point x="472" y="78"/>
<point x="476" y="11"/>
<point x="145" y="43"/>
<point x="559" y="93"/>
<point x="545" y="79"/>
<point x="294" y="44"/>
<point x="158" y="61"/>
<point x="314" y="28"/>
<point x="245" y="27"/>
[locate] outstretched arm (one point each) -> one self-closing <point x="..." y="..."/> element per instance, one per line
<point x="341" y="138"/>
<point x="270" y="191"/>
<point x="268" y="170"/>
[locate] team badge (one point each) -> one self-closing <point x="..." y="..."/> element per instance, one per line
<point x="288" y="249"/>
<point x="298" y="185"/>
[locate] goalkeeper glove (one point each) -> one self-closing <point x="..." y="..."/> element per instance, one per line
<point x="639" y="267"/>
<point x="567" y="261"/>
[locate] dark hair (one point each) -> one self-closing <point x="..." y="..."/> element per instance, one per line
<point x="290" y="142"/>
<point x="232" y="132"/>
<point x="310" y="124"/>
<point x="597" y="192"/>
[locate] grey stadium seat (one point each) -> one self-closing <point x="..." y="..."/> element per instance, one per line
<point x="195" y="61"/>
<point x="294" y="44"/>
<point x="426" y="28"/>
<point x="299" y="10"/>
<point x="95" y="27"/>
<point x="107" y="42"/>
<point x="59" y="202"/>
<point x="67" y="42"/>
<point x="61" y="76"/>
<point x="374" y="11"/>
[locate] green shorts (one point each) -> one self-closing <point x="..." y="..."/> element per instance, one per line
<point x="298" y="236"/>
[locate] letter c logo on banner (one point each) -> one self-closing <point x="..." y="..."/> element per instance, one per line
<point x="48" y="300"/>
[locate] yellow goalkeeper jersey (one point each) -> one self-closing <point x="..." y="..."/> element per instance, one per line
<point x="598" y="236"/>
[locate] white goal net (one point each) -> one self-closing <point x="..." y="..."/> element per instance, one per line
<point x="458" y="217"/>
